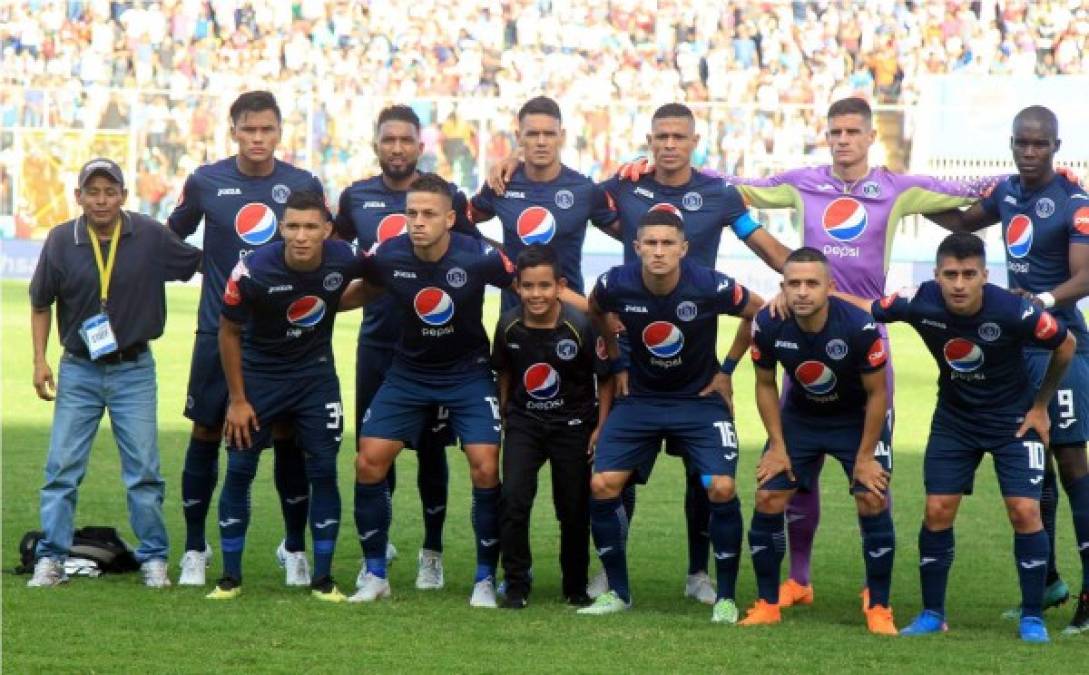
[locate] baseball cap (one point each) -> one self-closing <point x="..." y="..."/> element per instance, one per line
<point x="101" y="165"/>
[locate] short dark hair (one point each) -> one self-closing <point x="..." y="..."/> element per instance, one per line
<point x="433" y="183"/>
<point x="673" y="110"/>
<point x="666" y="217"/>
<point x="851" y="105"/>
<point x="961" y="246"/>
<point x="398" y="113"/>
<point x="538" y="255"/>
<point x="806" y="254"/>
<point x="1041" y="114"/>
<point x="305" y="200"/>
<point x="254" y="101"/>
<point x="540" y="105"/>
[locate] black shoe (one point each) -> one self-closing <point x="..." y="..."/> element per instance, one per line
<point x="579" y="600"/>
<point x="516" y="598"/>
<point x="227" y="583"/>
<point x="1080" y="622"/>
<point x="323" y="585"/>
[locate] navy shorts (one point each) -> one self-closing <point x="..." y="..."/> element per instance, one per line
<point x="808" y="440"/>
<point x="206" y="396"/>
<point x="951" y="459"/>
<point x="1069" y="408"/>
<point x="637" y="426"/>
<point x="372" y="362"/>
<point x="311" y="403"/>
<point x="405" y="406"/>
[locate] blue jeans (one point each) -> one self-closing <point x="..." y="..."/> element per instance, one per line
<point x="84" y="390"/>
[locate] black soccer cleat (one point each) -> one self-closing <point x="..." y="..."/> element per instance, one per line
<point x="579" y="600"/>
<point x="1080" y="623"/>
<point x="516" y="598"/>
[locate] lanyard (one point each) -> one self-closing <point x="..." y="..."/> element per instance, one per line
<point x="105" y="271"/>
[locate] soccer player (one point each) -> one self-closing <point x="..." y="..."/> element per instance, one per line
<point x="670" y="307"/>
<point x="549" y="365"/>
<point x="977" y="333"/>
<point x="275" y="338"/>
<point x="835" y="359"/>
<point x="370" y="212"/>
<point x="1045" y="227"/>
<point x="437" y="280"/>
<point x="848" y="210"/>
<point x="241" y="201"/>
<point x="706" y="206"/>
<point x="545" y="202"/>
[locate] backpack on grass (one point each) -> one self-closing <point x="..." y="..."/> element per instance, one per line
<point x="95" y="550"/>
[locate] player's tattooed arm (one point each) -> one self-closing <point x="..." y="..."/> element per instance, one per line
<point x="868" y="471"/>
<point x="359" y="293"/>
<point x="862" y="303"/>
<point x="604" y="323"/>
<point x="972" y="219"/>
<point x="241" y="417"/>
<point x="775" y="459"/>
<point x="1037" y="417"/>
<point x="768" y="248"/>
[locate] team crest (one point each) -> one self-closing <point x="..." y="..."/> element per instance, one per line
<point x="692" y="201"/>
<point x="1045" y="207"/>
<point x="565" y="199"/>
<point x="332" y="281"/>
<point x="871" y="189"/>
<point x="567" y="349"/>
<point x="990" y="331"/>
<point x="280" y="193"/>
<point x="686" y="311"/>
<point x="456" y="277"/>
<point x="836" y="349"/>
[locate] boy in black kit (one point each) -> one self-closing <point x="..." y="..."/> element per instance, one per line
<point x="549" y="363"/>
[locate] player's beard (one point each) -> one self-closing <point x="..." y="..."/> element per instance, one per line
<point x="397" y="174"/>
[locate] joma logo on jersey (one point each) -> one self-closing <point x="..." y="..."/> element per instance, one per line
<point x="228" y="191"/>
<point x="371" y="204"/>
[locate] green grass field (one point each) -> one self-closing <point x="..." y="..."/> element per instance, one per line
<point x="116" y="625"/>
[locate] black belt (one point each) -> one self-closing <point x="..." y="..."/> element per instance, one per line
<point x="126" y="355"/>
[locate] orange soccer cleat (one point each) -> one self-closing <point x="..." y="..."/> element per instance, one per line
<point x="792" y="593"/>
<point x="762" y="613"/>
<point x="879" y="620"/>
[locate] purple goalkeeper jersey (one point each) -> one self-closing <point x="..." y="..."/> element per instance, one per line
<point x="853" y="223"/>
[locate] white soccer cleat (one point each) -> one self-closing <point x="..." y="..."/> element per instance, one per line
<point x="371" y="588"/>
<point x="296" y="566"/>
<point x="391" y="552"/>
<point x="606" y="603"/>
<point x="699" y="586"/>
<point x="193" y="566"/>
<point x="598" y="586"/>
<point x="48" y="572"/>
<point x="484" y="594"/>
<point x="429" y="572"/>
<point x="154" y="572"/>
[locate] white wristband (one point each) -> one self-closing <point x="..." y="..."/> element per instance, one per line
<point x="1046" y="299"/>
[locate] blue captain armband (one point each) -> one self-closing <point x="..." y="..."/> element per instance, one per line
<point x="744" y="226"/>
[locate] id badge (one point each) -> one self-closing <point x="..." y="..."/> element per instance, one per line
<point x="98" y="336"/>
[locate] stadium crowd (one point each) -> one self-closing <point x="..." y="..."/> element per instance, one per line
<point x="162" y="67"/>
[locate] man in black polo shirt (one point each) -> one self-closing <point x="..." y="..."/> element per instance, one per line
<point x="547" y="356"/>
<point x="106" y="271"/>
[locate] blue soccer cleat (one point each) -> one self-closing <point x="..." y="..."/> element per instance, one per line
<point x="1033" y="630"/>
<point x="927" y="622"/>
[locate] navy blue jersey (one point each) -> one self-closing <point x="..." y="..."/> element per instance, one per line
<point x="241" y="213"/>
<point x="551" y="369"/>
<point x="673" y="337"/>
<point x="442" y="335"/>
<point x="706" y="204"/>
<point x="288" y="315"/>
<point x="825" y="368"/>
<point x="369" y="213"/>
<point x="553" y="212"/>
<point x="1038" y="227"/>
<point x="982" y="384"/>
